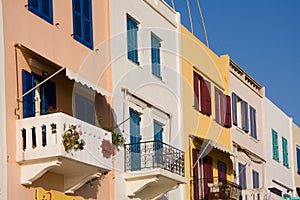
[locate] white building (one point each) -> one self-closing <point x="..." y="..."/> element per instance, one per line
<point x="247" y="133"/>
<point x="279" y="151"/>
<point x="146" y="70"/>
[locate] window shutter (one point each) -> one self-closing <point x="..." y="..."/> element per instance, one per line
<point x="132" y="40"/>
<point x="196" y="91"/>
<point x="298" y="160"/>
<point x="255" y="177"/>
<point x="207" y="92"/>
<point x="242" y="176"/>
<point x="245" y="124"/>
<point x="217" y="105"/>
<point x="48" y="96"/>
<point x="202" y="95"/>
<point x="285" y="152"/>
<point x="253" y="122"/>
<point x="275" y="145"/>
<point x="196" y="174"/>
<point x="227" y="123"/>
<point x="155" y="56"/>
<point x="33" y="4"/>
<point x="46" y="7"/>
<point x="28" y="100"/>
<point x="234" y="109"/>
<point x="222" y="171"/>
<point x="87" y="22"/>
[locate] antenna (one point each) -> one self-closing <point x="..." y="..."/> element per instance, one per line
<point x="190" y="16"/>
<point x="203" y="24"/>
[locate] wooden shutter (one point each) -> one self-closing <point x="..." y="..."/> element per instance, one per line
<point x="28" y="100"/>
<point x="155" y="56"/>
<point x="234" y="109"/>
<point x="222" y="171"/>
<point x="196" y="177"/>
<point x="207" y="91"/>
<point x="242" y="176"/>
<point x="253" y="122"/>
<point x="245" y="121"/>
<point x="217" y="106"/>
<point x="196" y="90"/>
<point x="48" y="96"/>
<point x="33" y="4"/>
<point x="285" y="152"/>
<point x="208" y="174"/>
<point x="255" y="177"/>
<point x="298" y="160"/>
<point x="275" y="145"/>
<point x="227" y="111"/>
<point x="132" y="40"/>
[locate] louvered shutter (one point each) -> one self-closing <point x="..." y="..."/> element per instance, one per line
<point x="245" y="122"/>
<point x="196" y="174"/>
<point x="234" y="109"/>
<point x="253" y="122"/>
<point x="28" y="100"/>
<point x="227" y="123"/>
<point x="196" y="90"/>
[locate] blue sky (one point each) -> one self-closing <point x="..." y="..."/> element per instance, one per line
<point x="261" y="36"/>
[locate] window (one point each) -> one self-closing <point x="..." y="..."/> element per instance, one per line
<point x="255" y="178"/>
<point x="38" y="101"/>
<point x="253" y="122"/>
<point x="298" y="160"/>
<point x="285" y="152"/>
<point x="222" y="174"/>
<point x="158" y="145"/>
<point x="242" y="176"/>
<point x="275" y="145"/>
<point x="82" y="22"/>
<point x="202" y="92"/>
<point x="85" y="109"/>
<point x="222" y="108"/>
<point x="240" y="113"/>
<point x="155" y="55"/>
<point x="132" y="40"/>
<point x="42" y="8"/>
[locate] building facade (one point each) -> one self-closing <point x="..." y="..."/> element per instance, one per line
<point x="279" y="151"/>
<point x="296" y="149"/>
<point x="146" y="69"/>
<point x="207" y="121"/>
<point x="57" y="85"/>
<point x="247" y="134"/>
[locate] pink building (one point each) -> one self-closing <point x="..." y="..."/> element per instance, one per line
<point x="58" y="85"/>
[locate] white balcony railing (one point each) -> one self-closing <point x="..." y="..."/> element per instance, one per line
<point x="40" y="149"/>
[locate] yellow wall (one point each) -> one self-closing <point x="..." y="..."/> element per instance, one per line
<point x="197" y="57"/>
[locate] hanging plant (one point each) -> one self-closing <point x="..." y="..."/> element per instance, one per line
<point x="117" y="138"/>
<point x="107" y="148"/>
<point x="72" y="140"/>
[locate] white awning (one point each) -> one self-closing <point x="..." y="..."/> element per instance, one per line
<point x="80" y="79"/>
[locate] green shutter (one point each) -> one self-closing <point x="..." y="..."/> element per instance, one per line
<point x="285" y="152"/>
<point x="275" y="145"/>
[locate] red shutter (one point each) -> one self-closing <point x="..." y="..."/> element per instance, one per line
<point x="217" y="106"/>
<point x="207" y="98"/>
<point x="196" y="174"/>
<point x="196" y="91"/>
<point x="227" y="123"/>
<point x="202" y="95"/>
<point x="208" y="174"/>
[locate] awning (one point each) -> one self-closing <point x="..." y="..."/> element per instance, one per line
<point x="206" y="145"/>
<point x="80" y="79"/>
<point x="252" y="156"/>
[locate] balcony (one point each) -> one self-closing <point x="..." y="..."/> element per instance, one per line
<point x="152" y="168"/>
<point x="40" y="149"/>
<point x="215" y="188"/>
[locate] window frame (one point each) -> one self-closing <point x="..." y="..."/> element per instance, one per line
<point x="275" y="148"/>
<point x="39" y="11"/>
<point x="83" y="19"/>
<point x="285" y="154"/>
<point x="132" y="46"/>
<point x="154" y="51"/>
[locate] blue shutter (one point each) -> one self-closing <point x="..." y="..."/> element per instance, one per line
<point x="48" y="96"/>
<point x="158" y="145"/>
<point x="155" y="56"/>
<point x="132" y="40"/>
<point x="28" y="100"/>
<point x="82" y="22"/>
<point x="245" y="124"/>
<point x="298" y="160"/>
<point x="285" y="152"/>
<point x="253" y="122"/>
<point x="255" y="177"/>
<point x="275" y="145"/>
<point x="242" y="176"/>
<point x="42" y="8"/>
<point x="234" y="109"/>
<point x="135" y="137"/>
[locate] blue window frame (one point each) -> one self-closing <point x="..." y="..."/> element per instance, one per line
<point x="42" y="8"/>
<point x="158" y="145"/>
<point x="253" y="122"/>
<point x="298" y="160"/>
<point x="155" y="55"/>
<point x="285" y="152"/>
<point x="132" y="40"/>
<point x="82" y="22"/>
<point x="275" y="145"/>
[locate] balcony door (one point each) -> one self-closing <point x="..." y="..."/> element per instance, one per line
<point x="135" y="137"/>
<point x="207" y="175"/>
<point x="158" y="145"/>
<point x="222" y="171"/>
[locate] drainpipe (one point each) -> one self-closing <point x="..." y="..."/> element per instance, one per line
<point x="3" y="167"/>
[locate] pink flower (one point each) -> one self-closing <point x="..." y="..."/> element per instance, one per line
<point x="80" y="132"/>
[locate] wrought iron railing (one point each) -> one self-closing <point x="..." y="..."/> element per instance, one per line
<point x="214" y="188"/>
<point x="153" y="154"/>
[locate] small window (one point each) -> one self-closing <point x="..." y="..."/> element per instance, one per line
<point x="155" y="56"/>
<point x="275" y="145"/>
<point x="42" y="8"/>
<point x="82" y="22"/>
<point x="132" y="40"/>
<point x="202" y="92"/>
<point x="285" y="152"/>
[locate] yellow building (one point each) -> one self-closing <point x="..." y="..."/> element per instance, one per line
<point x="207" y="121"/>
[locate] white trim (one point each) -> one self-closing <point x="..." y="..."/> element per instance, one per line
<point x="3" y="153"/>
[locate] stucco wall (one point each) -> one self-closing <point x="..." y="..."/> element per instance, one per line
<point x="277" y="120"/>
<point x="296" y="143"/>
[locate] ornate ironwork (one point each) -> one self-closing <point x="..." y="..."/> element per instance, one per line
<point x="215" y="188"/>
<point x="153" y="154"/>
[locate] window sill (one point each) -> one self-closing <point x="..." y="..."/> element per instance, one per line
<point x="276" y="160"/>
<point x="158" y="78"/>
<point x="137" y="64"/>
<point x="254" y="140"/>
<point x="240" y="130"/>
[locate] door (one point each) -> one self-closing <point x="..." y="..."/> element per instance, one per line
<point x="207" y="175"/>
<point x="158" y="145"/>
<point x="222" y="171"/>
<point x="135" y="137"/>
